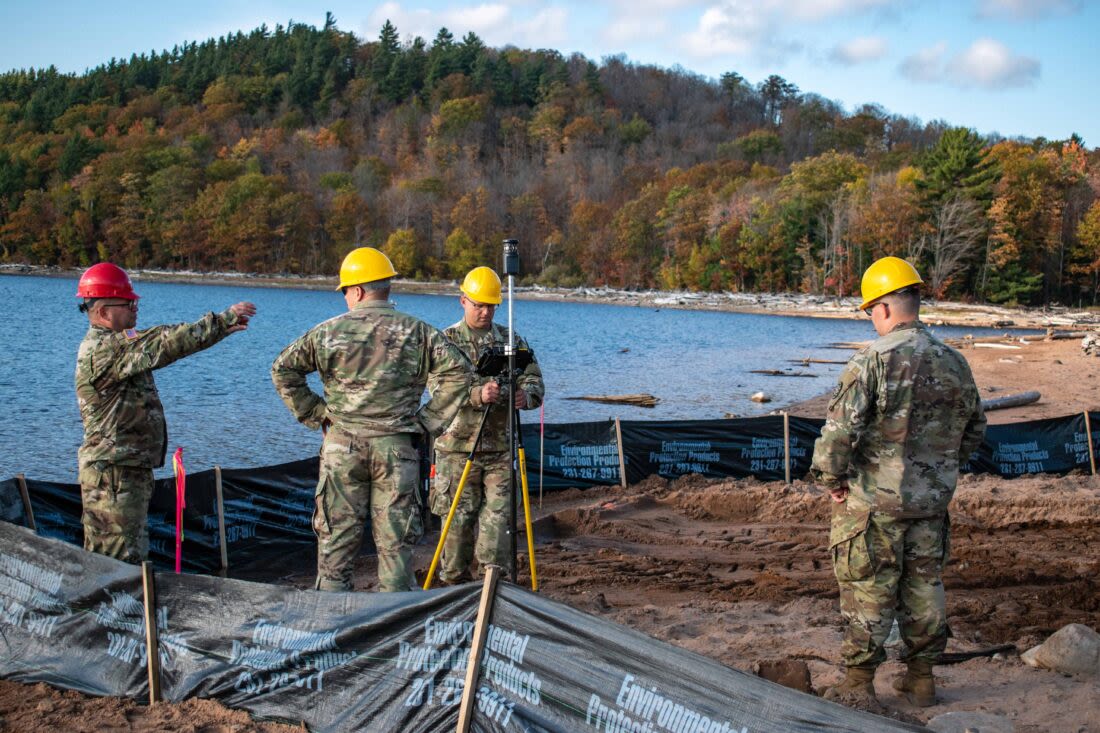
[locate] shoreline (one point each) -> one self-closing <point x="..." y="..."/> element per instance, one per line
<point x="935" y="313"/>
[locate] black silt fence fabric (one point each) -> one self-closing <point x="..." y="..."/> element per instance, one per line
<point x="11" y="503"/>
<point x="548" y="667"/>
<point x="717" y="448"/>
<point x="577" y="455"/>
<point x="57" y="512"/>
<point x="268" y="511"/>
<point x="70" y="618"/>
<point x="200" y="550"/>
<point x="335" y="661"/>
<point x="267" y="515"/>
<point x="1054" y="445"/>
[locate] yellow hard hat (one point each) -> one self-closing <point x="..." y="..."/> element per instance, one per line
<point x="483" y="285"/>
<point x="885" y="276"/>
<point x="364" y="265"/>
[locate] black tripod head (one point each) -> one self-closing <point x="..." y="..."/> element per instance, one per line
<point x="493" y="362"/>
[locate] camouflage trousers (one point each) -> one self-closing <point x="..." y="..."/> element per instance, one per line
<point x="483" y="506"/>
<point x="891" y="569"/>
<point x="361" y="477"/>
<point x="116" y="507"/>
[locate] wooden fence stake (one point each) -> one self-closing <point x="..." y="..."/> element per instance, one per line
<point x="477" y="646"/>
<point x="27" y="508"/>
<point x="1088" y="437"/>
<point x="622" y="457"/>
<point x="221" y="521"/>
<point x="152" y="647"/>
<point x="787" y="447"/>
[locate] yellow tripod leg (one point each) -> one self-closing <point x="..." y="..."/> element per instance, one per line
<point x="447" y="525"/>
<point x="527" y="518"/>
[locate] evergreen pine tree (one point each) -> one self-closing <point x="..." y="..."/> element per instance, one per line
<point x="957" y="165"/>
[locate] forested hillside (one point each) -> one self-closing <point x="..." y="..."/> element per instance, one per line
<point x="279" y="150"/>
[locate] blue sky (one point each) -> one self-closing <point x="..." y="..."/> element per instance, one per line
<point x="1017" y="67"/>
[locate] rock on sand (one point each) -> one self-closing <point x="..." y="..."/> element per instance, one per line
<point x="1073" y="649"/>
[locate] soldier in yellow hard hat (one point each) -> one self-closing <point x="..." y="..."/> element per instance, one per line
<point x="902" y="420"/>
<point x="374" y="362"/>
<point x="885" y="276"/>
<point x="484" y="503"/>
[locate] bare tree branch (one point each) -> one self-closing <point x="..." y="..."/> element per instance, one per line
<point x="958" y="230"/>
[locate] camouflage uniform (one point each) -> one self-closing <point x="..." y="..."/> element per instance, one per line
<point x="374" y="363"/>
<point x="485" y="497"/>
<point x="905" y="415"/>
<point x="125" y="435"/>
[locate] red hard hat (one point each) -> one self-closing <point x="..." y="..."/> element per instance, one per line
<point x="105" y="281"/>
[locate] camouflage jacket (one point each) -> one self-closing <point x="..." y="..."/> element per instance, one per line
<point x="460" y="435"/>
<point x="904" y="416"/>
<point x="123" y="417"/>
<point x="374" y="363"/>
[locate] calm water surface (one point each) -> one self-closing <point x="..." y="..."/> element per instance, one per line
<point x="222" y="408"/>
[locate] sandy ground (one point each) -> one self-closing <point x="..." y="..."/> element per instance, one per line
<point x="739" y="571"/>
<point x="42" y="709"/>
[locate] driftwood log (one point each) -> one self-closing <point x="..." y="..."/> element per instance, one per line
<point x="1012" y="400"/>
<point x="780" y="373"/>
<point x="638" y="400"/>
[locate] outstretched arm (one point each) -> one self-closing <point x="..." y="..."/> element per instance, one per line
<point x="157" y="347"/>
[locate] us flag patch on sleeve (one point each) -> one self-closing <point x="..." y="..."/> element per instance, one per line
<point x="131" y="333"/>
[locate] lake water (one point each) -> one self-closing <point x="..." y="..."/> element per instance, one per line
<point x="221" y="406"/>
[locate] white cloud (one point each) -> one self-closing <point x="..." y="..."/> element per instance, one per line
<point x="495" y="23"/>
<point x="486" y="17"/>
<point x="925" y="65"/>
<point x="758" y="29"/>
<point x="628" y="29"/>
<point x="641" y="20"/>
<point x="986" y="64"/>
<point x="992" y="65"/>
<point x="732" y="29"/>
<point x="549" y="28"/>
<point x="814" y="10"/>
<point x="1025" y="9"/>
<point x="859" y="51"/>
<point x="653" y="6"/>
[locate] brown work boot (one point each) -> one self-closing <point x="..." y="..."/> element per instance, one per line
<point x="857" y="689"/>
<point x="917" y="684"/>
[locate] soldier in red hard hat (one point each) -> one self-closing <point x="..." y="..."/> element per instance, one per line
<point x="125" y="436"/>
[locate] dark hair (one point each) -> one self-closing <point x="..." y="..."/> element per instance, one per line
<point x="906" y="300"/>
<point x="382" y="285"/>
<point x="377" y="285"/>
